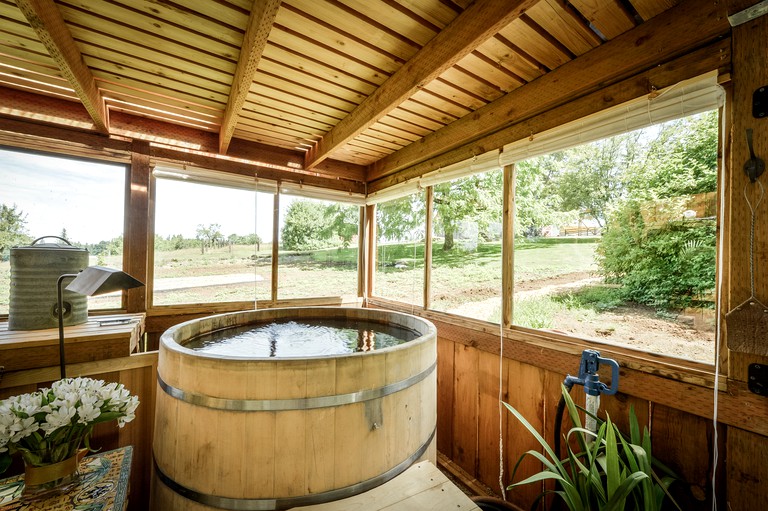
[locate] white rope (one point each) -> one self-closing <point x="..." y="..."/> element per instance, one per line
<point x="501" y="406"/>
<point x="256" y="242"/>
<point x="718" y="326"/>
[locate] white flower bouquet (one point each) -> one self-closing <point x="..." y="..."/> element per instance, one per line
<point x="50" y="425"/>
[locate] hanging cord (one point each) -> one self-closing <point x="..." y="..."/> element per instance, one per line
<point x="501" y="409"/>
<point x="752" y="211"/>
<point x="256" y="242"/>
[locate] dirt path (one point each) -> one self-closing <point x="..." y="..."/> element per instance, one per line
<point x="635" y="326"/>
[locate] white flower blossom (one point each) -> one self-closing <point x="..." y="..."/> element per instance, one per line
<point x="66" y="411"/>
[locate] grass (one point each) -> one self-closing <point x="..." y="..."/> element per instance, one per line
<point x="457" y="276"/>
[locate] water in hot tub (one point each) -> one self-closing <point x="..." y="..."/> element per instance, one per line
<point x="303" y="338"/>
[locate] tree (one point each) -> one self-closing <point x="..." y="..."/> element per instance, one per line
<point x="593" y="176"/>
<point x="209" y="236"/>
<point x="343" y="221"/>
<point x="681" y="160"/>
<point x="12" y="228"/>
<point x="401" y="219"/>
<point x="306" y="226"/>
<point x="478" y="196"/>
<point x="537" y="203"/>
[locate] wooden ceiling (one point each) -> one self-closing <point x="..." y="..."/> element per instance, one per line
<point x="367" y="85"/>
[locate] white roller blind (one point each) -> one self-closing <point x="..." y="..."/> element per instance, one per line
<point x="252" y="183"/>
<point x="483" y="163"/>
<point x="680" y="100"/>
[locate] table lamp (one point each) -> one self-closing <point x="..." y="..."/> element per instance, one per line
<point x="94" y="280"/>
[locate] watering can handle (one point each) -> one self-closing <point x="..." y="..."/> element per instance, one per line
<point x="57" y="237"/>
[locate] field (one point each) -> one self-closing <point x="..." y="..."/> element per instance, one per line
<point x="556" y="287"/>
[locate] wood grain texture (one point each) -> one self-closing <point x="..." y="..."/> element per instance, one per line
<point x="711" y="57"/>
<point x="639" y="49"/>
<point x="480" y="21"/>
<point x="46" y="19"/>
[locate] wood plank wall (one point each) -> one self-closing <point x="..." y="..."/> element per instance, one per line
<point x="674" y="401"/>
<point x="747" y="466"/>
<point x="139" y="375"/>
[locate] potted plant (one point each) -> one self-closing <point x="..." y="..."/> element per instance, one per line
<point x="607" y="472"/>
<point x="48" y="428"/>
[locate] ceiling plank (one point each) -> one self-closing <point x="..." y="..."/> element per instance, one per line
<point x="480" y="21"/>
<point x="645" y="46"/>
<point x="714" y="56"/>
<point x="255" y="40"/>
<point x="47" y="21"/>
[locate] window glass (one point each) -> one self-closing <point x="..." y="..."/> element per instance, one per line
<point x="399" y="272"/>
<point x="212" y="243"/>
<point x="615" y="240"/>
<point x="81" y="201"/>
<point x="466" y="250"/>
<point x="318" y="248"/>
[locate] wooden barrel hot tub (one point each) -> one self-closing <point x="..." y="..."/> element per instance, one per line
<point x="275" y="433"/>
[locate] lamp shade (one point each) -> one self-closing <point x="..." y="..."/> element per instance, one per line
<point x="97" y="280"/>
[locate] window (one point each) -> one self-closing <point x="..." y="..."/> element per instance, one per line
<point x="81" y="201"/>
<point x="212" y="243"/>
<point x="318" y="248"/>
<point x="615" y="240"/>
<point x="466" y="252"/>
<point x="399" y="273"/>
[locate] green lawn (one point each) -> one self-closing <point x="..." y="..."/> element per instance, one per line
<point x="457" y="276"/>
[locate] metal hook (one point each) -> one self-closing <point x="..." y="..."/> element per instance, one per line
<point x="754" y="167"/>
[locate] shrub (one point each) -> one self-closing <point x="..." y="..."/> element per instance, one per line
<point x="668" y="267"/>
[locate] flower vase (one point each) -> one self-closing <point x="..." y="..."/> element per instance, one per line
<point x="43" y="481"/>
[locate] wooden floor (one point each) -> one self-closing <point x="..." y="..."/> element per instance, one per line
<point x="420" y="488"/>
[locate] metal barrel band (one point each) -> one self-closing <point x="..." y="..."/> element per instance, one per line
<point x="309" y="403"/>
<point x="235" y="504"/>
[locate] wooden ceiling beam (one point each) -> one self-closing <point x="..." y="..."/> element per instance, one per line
<point x="714" y="56"/>
<point x="46" y="19"/>
<point x="22" y="112"/>
<point x="480" y="21"/>
<point x="260" y="22"/>
<point x="659" y="40"/>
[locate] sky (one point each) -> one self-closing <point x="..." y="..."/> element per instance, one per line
<point x="86" y="199"/>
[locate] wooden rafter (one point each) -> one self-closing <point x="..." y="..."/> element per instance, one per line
<point x="254" y="41"/>
<point x="46" y="19"/>
<point x="644" y="47"/>
<point x="481" y="20"/>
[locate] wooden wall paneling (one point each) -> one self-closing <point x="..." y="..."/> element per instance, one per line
<point x="618" y="407"/>
<point x="747" y="470"/>
<point x="684" y="442"/>
<point x="445" y="395"/>
<point x="465" y="407"/>
<point x="489" y="426"/>
<point x="525" y="393"/>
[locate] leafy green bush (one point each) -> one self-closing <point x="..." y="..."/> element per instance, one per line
<point x="668" y="267"/>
